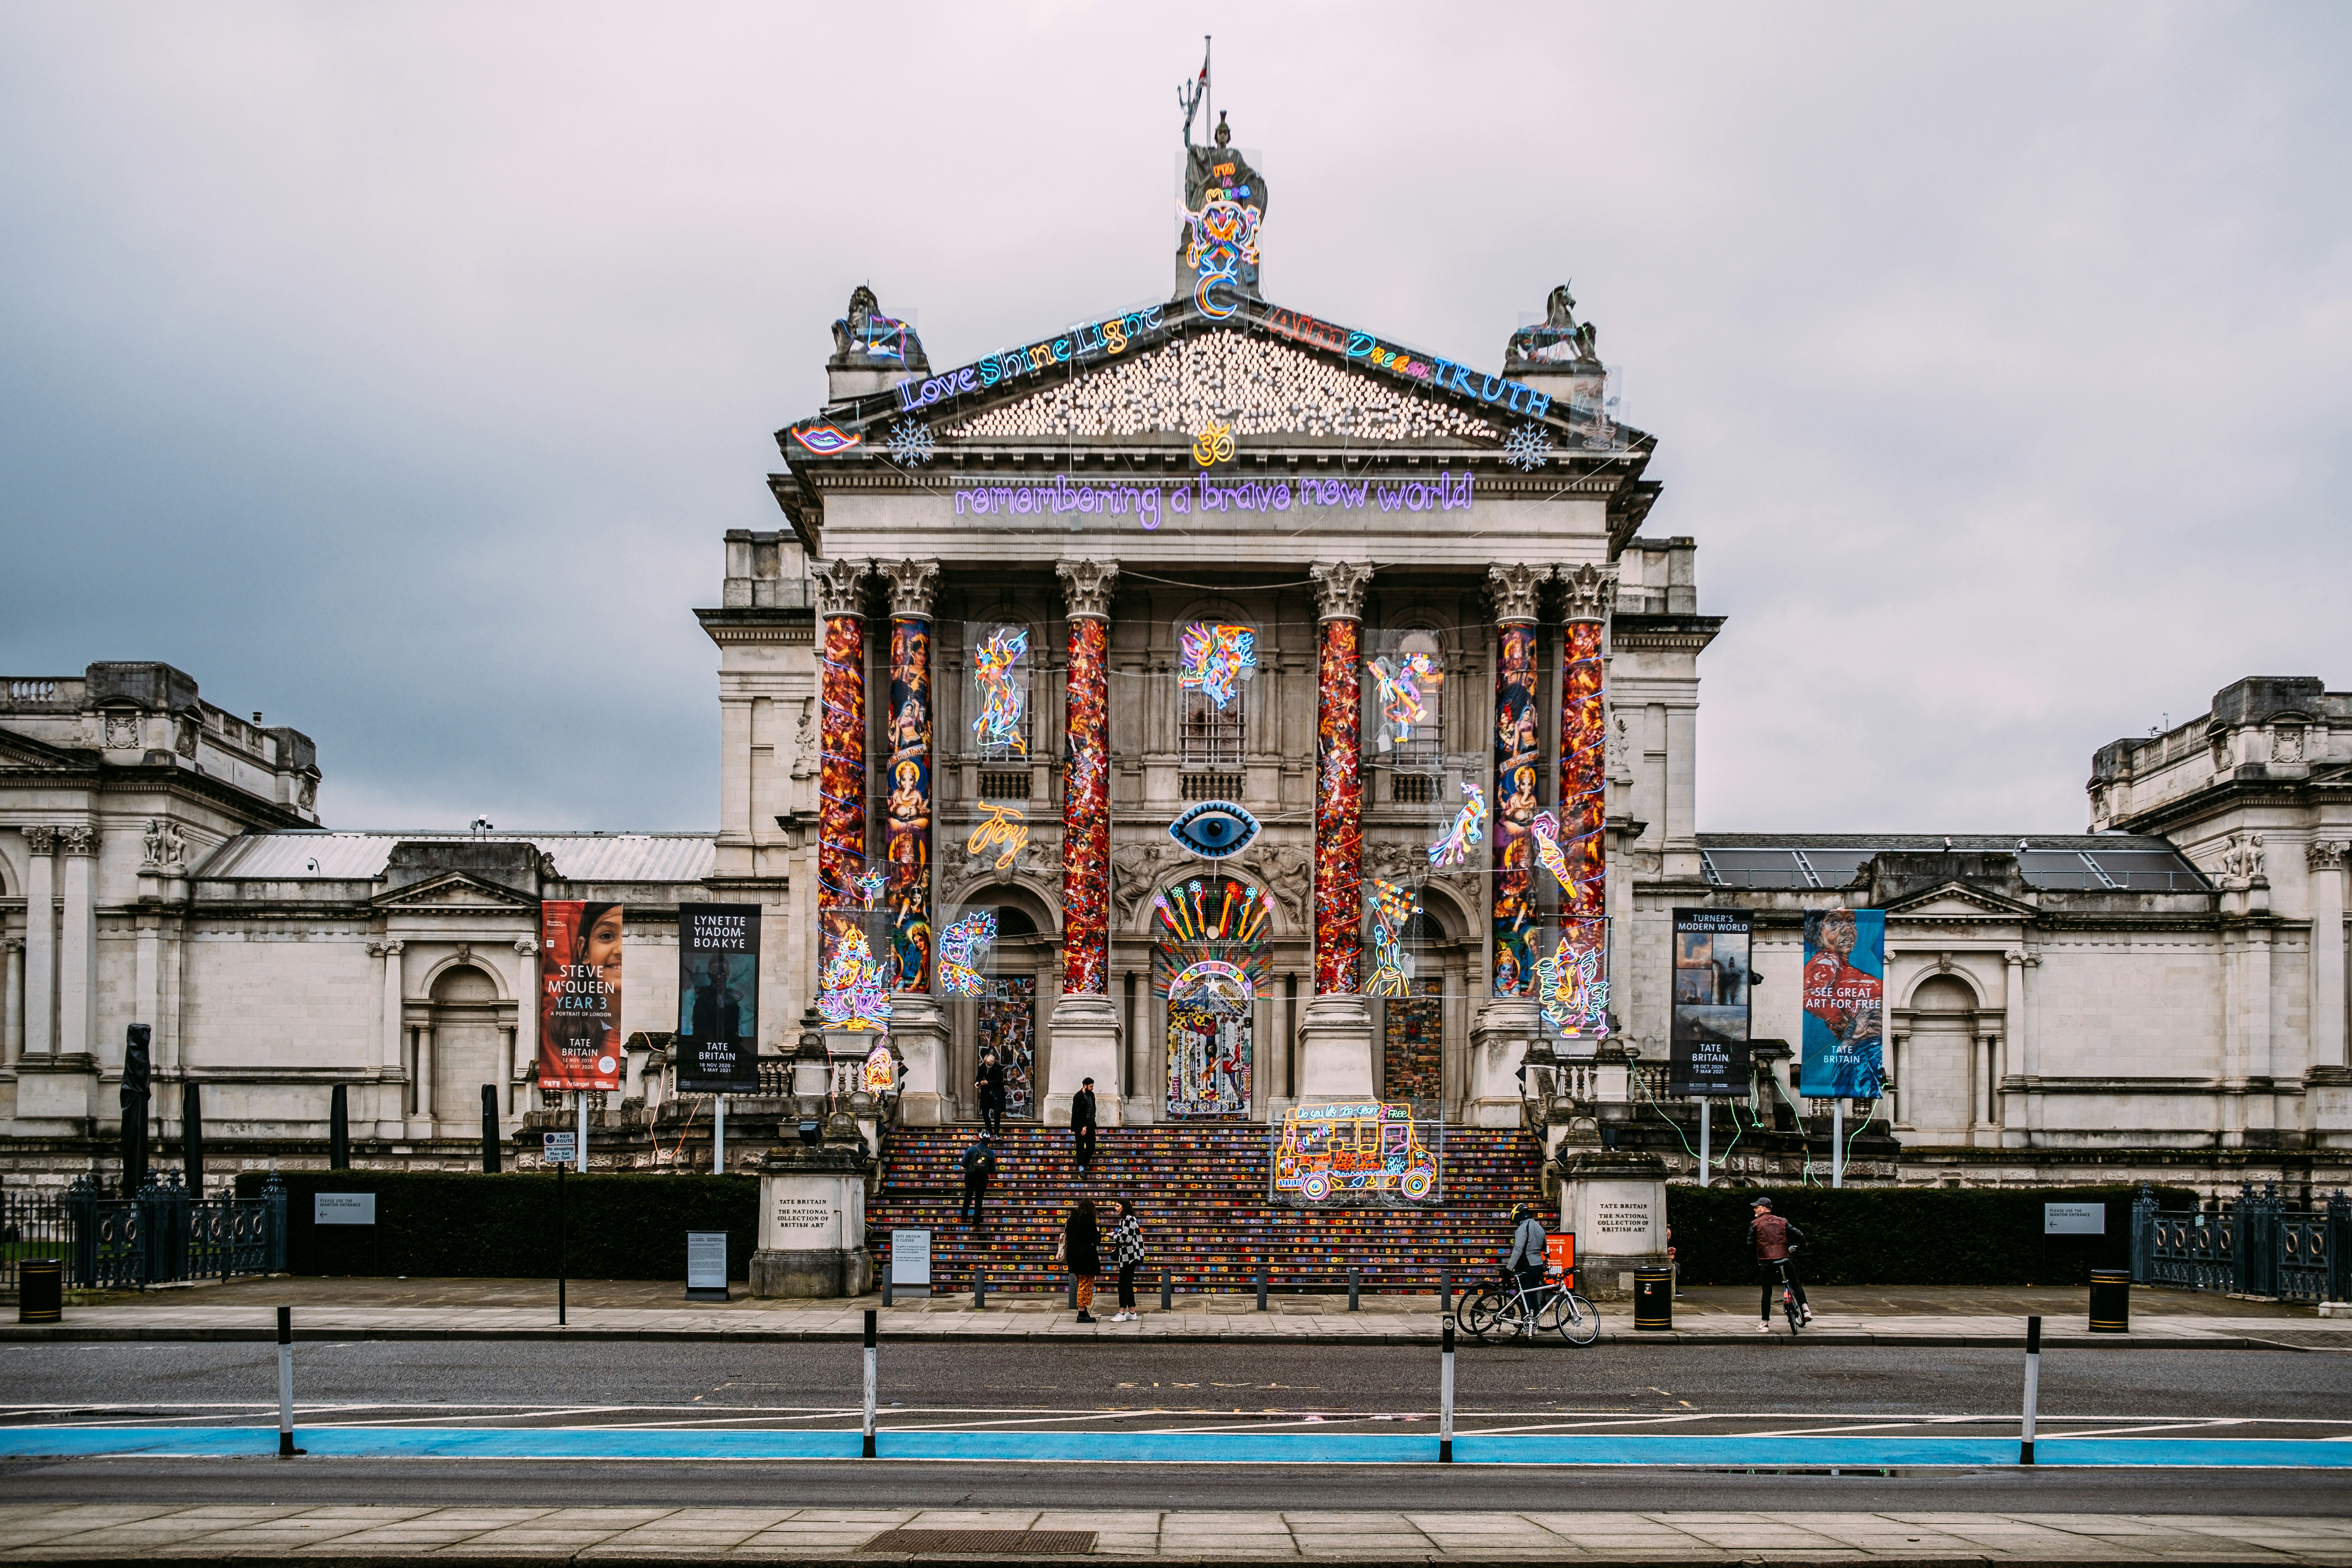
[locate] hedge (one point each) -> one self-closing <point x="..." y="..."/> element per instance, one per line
<point x="1907" y="1235"/>
<point x="467" y="1225"/>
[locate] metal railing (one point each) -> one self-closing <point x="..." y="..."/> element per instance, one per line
<point x="167" y="1234"/>
<point x="32" y="1224"/>
<point x="2254" y="1246"/>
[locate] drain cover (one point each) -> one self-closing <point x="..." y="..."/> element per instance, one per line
<point x="1027" y="1542"/>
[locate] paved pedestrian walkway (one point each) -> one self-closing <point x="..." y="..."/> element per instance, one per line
<point x="469" y="1308"/>
<point x="390" y="1534"/>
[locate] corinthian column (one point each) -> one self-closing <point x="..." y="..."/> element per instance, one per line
<point x="2327" y="862"/>
<point x="40" y="942"/>
<point x="1085" y="1025"/>
<point x="1336" y="1037"/>
<point x="1507" y="1022"/>
<point x="78" y="946"/>
<point x="1584" y="793"/>
<point x="917" y="1026"/>
<point x="841" y="810"/>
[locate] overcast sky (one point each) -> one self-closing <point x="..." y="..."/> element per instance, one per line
<point x="394" y="369"/>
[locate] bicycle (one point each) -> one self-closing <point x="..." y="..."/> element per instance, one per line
<point x="1789" y="1294"/>
<point x="1553" y="1308"/>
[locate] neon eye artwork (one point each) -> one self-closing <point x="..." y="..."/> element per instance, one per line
<point x="1000" y="720"/>
<point x="1212" y="660"/>
<point x="1567" y="983"/>
<point x="1469" y="827"/>
<point x="1214" y="829"/>
<point x="964" y="947"/>
<point x="1402" y="682"/>
<point x="1393" y="905"/>
<point x="826" y="440"/>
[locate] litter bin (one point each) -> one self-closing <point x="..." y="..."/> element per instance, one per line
<point x="2111" y="1301"/>
<point x="1653" y="1298"/>
<point x="40" y="1290"/>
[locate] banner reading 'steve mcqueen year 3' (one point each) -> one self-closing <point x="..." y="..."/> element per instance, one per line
<point x="579" y="995"/>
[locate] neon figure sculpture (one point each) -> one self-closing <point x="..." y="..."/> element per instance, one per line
<point x="1000" y="726"/>
<point x="1223" y="239"/>
<point x="1211" y="660"/>
<point x="881" y="1072"/>
<point x="1544" y="830"/>
<point x="868" y="886"/>
<point x="853" y="992"/>
<point x="1567" y="983"/>
<point x="1402" y="683"/>
<point x="1469" y="827"/>
<point x="964" y="947"/>
<point x="1392" y="905"/>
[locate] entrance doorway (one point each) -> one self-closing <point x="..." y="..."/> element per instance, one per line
<point x="1208" y="1061"/>
<point x="1007" y="1025"/>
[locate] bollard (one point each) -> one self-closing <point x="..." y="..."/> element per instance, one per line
<point x="2111" y="1301"/>
<point x="869" y="1383"/>
<point x="979" y="1287"/>
<point x="886" y="1282"/>
<point x="1260" y="1287"/>
<point x="1445" y="1292"/>
<point x="1167" y="1291"/>
<point x="2032" y="1387"/>
<point x="286" y="1449"/>
<point x="1355" y="1284"/>
<point x="1445" y="1396"/>
<point x="40" y="1290"/>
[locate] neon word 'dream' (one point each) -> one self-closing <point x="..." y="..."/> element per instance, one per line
<point x="1427" y="369"/>
<point x="1096" y="340"/>
<point x="1146" y="502"/>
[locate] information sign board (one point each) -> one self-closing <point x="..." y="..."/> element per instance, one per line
<point x="561" y="1148"/>
<point x="343" y="1208"/>
<point x="705" y="1265"/>
<point x="910" y="1259"/>
<point x="2074" y="1219"/>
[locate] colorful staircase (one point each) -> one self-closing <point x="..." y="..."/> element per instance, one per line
<point x="1201" y="1192"/>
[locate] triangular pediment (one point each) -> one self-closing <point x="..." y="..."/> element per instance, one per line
<point x="22" y="751"/>
<point x="453" y="890"/>
<point x="1958" y="900"/>
<point x="1249" y="384"/>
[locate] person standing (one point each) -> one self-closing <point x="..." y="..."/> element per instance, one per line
<point x="991" y="1085"/>
<point x="1082" y="1125"/>
<point x="1081" y="1251"/>
<point x="1775" y="1241"/>
<point x="979" y="1167"/>
<point x="1530" y="1253"/>
<point x="1126" y="1253"/>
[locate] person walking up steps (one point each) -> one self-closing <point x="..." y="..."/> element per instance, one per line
<point x="1082" y="1125"/>
<point x="979" y="1166"/>
<point x="1127" y="1253"/>
<point x="1774" y="1238"/>
<point x="1081" y="1250"/>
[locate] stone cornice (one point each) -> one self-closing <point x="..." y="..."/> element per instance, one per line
<point x="729" y="627"/>
<point x="1691" y="633"/>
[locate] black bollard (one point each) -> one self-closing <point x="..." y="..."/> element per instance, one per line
<point x="192" y="1137"/>
<point x="1355" y="1284"/>
<point x="491" y="1128"/>
<point x="1445" y="1292"/>
<point x="339" y="1129"/>
<point x="1167" y="1291"/>
<point x="1260" y="1287"/>
<point x="979" y="1287"/>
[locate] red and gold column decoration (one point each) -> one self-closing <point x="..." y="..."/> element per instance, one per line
<point x="841" y="780"/>
<point x="1338" y="776"/>
<point x="1516" y="924"/>
<point x="906" y="795"/>
<point x="1087" y="589"/>
<point x="1584" y="752"/>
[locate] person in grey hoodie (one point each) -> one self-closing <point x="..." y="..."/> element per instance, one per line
<point x="1529" y="1254"/>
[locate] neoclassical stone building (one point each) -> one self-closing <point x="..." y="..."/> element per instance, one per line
<point x="1229" y="705"/>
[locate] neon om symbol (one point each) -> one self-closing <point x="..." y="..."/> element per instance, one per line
<point x="1213" y="446"/>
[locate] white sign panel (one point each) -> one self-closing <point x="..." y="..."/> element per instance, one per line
<point x="2074" y="1219"/>
<point x="560" y="1148"/>
<point x="343" y="1208"/>
<point x="910" y="1258"/>
<point x="705" y="1261"/>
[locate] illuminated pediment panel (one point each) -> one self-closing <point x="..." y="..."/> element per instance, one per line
<point x="1256" y="386"/>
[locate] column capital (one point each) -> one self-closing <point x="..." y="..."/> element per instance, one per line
<point x="1087" y="586"/>
<point x="2325" y="854"/>
<point x="1339" y="589"/>
<point x="77" y="841"/>
<point x="913" y="585"/>
<point x="42" y="841"/>
<point x="1515" y="588"/>
<point x="1592" y="591"/>
<point x="840" y="586"/>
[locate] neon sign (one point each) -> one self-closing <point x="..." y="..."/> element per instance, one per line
<point x="1095" y="340"/>
<point x="1442" y="491"/>
<point x="999" y="725"/>
<point x="1427" y="369"/>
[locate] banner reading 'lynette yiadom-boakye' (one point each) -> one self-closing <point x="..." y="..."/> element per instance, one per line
<point x="717" y="1048"/>
<point x="578" y="994"/>
<point x="1844" y="1000"/>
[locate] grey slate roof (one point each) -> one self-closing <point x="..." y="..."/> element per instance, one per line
<point x="2057" y="861"/>
<point x="579" y="857"/>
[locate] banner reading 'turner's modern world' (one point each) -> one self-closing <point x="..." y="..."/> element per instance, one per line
<point x="1844" y="1000"/>
<point x="717" y="998"/>
<point x="578" y="994"/>
<point x="1709" y="1037"/>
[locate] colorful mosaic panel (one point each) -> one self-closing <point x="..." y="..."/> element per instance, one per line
<point x="1338" y="810"/>
<point x="1412" y="1044"/>
<point x="1007" y="1023"/>
<point x="1515" y="920"/>
<point x="907" y="806"/>
<point x="1086" y="813"/>
<point x="841" y="812"/>
<point x="1208" y="1061"/>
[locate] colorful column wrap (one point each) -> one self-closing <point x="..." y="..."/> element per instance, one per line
<point x="1338" y="808"/>
<point x="1583" y="778"/>
<point x="841" y="817"/>
<point x="1515" y="746"/>
<point x="1086" y="783"/>
<point x="908" y="800"/>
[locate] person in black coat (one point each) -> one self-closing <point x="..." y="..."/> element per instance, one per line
<point x="979" y="1165"/>
<point x="1081" y="1250"/>
<point x="991" y="1085"/>
<point x="1082" y="1125"/>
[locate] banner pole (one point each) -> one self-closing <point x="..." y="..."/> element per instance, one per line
<point x="582" y="1153"/>
<point x="1706" y="1109"/>
<point x="719" y="1135"/>
<point x="1837" y="1142"/>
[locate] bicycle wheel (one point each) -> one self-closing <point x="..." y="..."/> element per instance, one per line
<point x="1479" y="1313"/>
<point x="1789" y="1306"/>
<point x="1581" y="1324"/>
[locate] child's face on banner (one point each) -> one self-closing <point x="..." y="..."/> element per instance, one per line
<point x="603" y="948"/>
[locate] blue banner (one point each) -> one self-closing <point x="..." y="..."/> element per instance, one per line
<point x="1845" y="1004"/>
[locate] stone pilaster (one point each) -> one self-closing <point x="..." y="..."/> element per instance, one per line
<point x="2326" y="859"/>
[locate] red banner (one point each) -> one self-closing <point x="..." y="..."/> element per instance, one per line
<point x="579" y="995"/>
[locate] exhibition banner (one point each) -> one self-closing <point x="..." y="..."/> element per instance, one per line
<point x="578" y="994"/>
<point x="718" y="1044"/>
<point x="1844" y="1000"/>
<point x="1708" y="1039"/>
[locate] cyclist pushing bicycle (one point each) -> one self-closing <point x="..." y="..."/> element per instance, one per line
<point x="1528" y="1298"/>
<point x="1527" y="1258"/>
<point x="1775" y="1239"/>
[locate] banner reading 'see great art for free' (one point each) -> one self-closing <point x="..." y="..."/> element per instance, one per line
<point x="717" y="1049"/>
<point x="1844" y="1000"/>
<point x="578" y="994"/>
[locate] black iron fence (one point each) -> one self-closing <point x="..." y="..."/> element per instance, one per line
<point x="2253" y="1245"/>
<point x="164" y="1233"/>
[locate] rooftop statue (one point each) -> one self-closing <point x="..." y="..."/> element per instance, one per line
<point x="1559" y="341"/>
<point x="1216" y="248"/>
<point x="867" y="339"/>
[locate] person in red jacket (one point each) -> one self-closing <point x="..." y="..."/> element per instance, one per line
<point x="1774" y="1238"/>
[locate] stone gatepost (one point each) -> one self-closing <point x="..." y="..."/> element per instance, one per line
<point x="812" y="1218"/>
<point x="1615" y="1203"/>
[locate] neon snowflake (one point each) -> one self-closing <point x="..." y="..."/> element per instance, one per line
<point x="911" y="442"/>
<point x="1527" y="448"/>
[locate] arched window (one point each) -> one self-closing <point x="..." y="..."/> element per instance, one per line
<point x="1000" y="657"/>
<point x="1215" y="662"/>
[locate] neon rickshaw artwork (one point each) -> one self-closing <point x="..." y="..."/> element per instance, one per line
<point x="1360" y="1150"/>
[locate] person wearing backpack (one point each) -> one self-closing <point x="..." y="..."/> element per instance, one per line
<point x="1775" y="1239"/>
<point x="978" y="1168"/>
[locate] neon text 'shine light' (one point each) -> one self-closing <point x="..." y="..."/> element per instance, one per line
<point x="1102" y="338"/>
